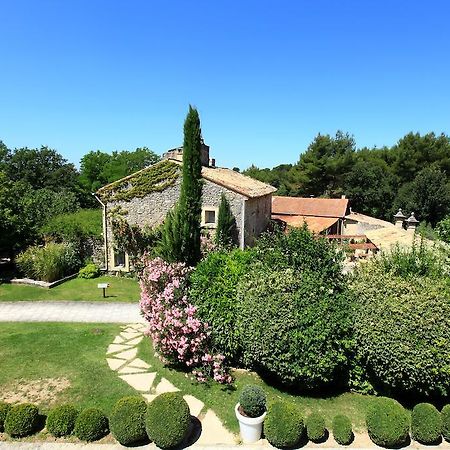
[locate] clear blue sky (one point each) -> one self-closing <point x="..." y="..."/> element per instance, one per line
<point x="266" y="76"/>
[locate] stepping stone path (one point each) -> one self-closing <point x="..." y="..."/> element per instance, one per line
<point x="121" y="357"/>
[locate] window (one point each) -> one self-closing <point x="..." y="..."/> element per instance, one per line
<point x="210" y="216"/>
<point x="119" y="259"/>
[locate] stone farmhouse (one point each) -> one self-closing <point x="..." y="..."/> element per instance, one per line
<point x="145" y="197"/>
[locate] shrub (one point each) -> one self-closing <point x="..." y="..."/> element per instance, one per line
<point x="49" y="263"/>
<point x="445" y="414"/>
<point x="342" y="430"/>
<point x="283" y="426"/>
<point x="315" y="427"/>
<point x="4" y="408"/>
<point x="213" y="289"/>
<point x="127" y="420"/>
<point x="91" y="425"/>
<point x="61" y="420"/>
<point x="89" y="271"/>
<point x="167" y="420"/>
<point x="253" y="401"/>
<point x="387" y="422"/>
<point x="294" y="326"/>
<point x="22" y="420"/>
<point x="426" y="424"/>
<point x="402" y="331"/>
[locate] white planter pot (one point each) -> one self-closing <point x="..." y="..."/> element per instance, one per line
<point x="251" y="427"/>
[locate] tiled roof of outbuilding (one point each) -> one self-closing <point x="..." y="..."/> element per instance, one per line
<point x="301" y="206"/>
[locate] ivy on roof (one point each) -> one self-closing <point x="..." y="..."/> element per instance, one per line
<point x="155" y="178"/>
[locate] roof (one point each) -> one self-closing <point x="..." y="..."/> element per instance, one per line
<point x="385" y="238"/>
<point x="301" y="206"/>
<point x="315" y="224"/>
<point x="362" y="218"/>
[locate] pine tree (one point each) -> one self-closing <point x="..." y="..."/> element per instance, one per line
<point x="170" y="244"/>
<point x="226" y="232"/>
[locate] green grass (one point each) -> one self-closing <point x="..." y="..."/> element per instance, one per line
<point x="120" y="290"/>
<point x="222" y="399"/>
<point x="35" y="351"/>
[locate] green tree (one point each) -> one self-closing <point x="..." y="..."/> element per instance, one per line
<point x="226" y="232"/>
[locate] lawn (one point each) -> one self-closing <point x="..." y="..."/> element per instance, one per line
<point x="222" y="399"/>
<point x="120" y="290"/>
<point x="51" y="363"/>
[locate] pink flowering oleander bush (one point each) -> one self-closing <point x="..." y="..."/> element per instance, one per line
<point x="178" y="335"/>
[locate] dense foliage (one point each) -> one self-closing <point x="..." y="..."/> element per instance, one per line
<point x="226" y="231"/>
<point x="445" y="415"/>
<point x="89" y="271"/>
<point x="167" y="420"/>
<point x="22" y="420"/>
<point x="387" y="422"/>
<point x="342" y="430"/>
<point x="127" y="420"/>
<point x="426" y="424"/>
<point x="213" y="290"/>
<point x="49" y="263"/>
<point x="91" y="425"/>
<point x="253" y="401"/>
<point x="315" y="427"/>
<point x="61" y="420"/>
<point x="378" y="180"/>
<point x="402" y="330"/>
<point x="283" y="426"/>
<point x="4" y="408"/>
<point x="443" y="229"/>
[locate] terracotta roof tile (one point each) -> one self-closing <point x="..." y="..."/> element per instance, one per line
<point x="315" y="224"/>
<point x="319" y="207"/>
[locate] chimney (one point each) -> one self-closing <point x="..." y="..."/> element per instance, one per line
<point x="411" y="223"/>
<point x="205" y="154"/>
<point x="399" y="218"/>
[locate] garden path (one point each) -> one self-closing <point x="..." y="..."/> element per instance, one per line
<point x="121" y="357"/>
<point x="94" y="312"/>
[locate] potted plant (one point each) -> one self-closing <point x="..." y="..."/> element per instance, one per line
<point x="251" y="412"/>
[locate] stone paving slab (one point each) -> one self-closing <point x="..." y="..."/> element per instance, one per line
<point x="89" y="312"/>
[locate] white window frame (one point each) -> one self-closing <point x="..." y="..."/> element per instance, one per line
<point x="209" y="224"/>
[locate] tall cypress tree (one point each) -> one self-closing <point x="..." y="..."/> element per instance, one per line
<point x="226" y="232"/>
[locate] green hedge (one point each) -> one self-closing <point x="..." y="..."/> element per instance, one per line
<point x="91" y="425"/>
<point x="283" y="426"/>
<point x="61" y="420"/>
<point x="22" y="420"/>
<point x="167" y="420"/>
<point x="4" y="408"/>
<point x="315" y="427"/>
<point x="89" y="271"/>
<point x="445" y="414"/>
<point x="253" y="401"/>
<point x="387" y="422"/>
<point x="127" y="420"/>
<point x="426" y="424"/>
<point x="342" y="430"/>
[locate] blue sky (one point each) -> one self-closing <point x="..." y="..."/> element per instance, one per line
<point x="266" y="76"/>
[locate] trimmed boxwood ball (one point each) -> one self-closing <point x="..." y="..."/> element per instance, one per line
<point x="445" y="414"/>
<point x="315" y="427"/>
<point x="61" y="420"/>
<point x="167" y="420"/>
<point x="22" y="420"/>
<point x="4" y="408"/>
<point x="91" y="425"/>
<point x="426" y="424"/>
<point x="387" y="422"/>
<point x="253" y="400"/>
<point x="342" y="430"/>
<point x="283" y="426"/>
<point x="127" y="420"/>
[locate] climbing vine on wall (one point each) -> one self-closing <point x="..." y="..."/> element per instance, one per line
<point x="155" y="178"/>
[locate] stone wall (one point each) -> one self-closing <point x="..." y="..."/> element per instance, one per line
<point x="257" y="217"/>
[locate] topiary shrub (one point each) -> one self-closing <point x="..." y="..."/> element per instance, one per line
<point x="127" y="420"/>
<point x="387" y="422"/>
<point x="445" y="415"/>
<point x="402" y="331"/>
<point x="89" y="271"/>
<point x="167" y="420"/>
<point x="426" y="424"/>
<point x="22" y="420"/>
<point x="4" y="408"/>
<point x="294" y="326"/>
<point x="253" y="401"/>
<point x="315" y="427"/>
<point x="61" y="420"/>
<point x="342" y="430"/>
<point x="91" y="425"/>
<point x="283" y="425"/>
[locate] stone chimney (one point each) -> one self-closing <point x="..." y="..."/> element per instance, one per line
<point x="399" y="218"/>
<point x="177" y="154"/>
<point x="411" y="223"/>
